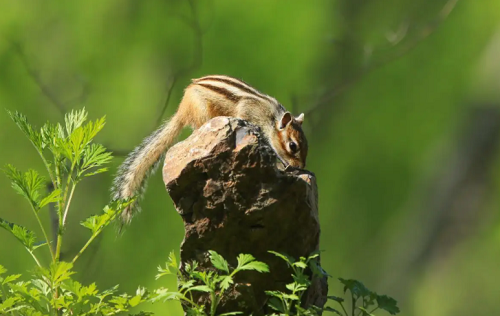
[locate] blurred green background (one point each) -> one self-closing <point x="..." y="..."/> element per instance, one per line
<point x="402" y="115"/>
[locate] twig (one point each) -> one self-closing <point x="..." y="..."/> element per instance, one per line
<point x="36" y="78"/>
<point x="194" y="23"/>
<point x="424" y="34"/>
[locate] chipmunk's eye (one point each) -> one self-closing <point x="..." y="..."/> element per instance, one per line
<point x="293" y="147"/>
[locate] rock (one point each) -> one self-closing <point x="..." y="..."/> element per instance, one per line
<point x="235" y="198"/>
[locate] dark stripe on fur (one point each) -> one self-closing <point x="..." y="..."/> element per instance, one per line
<point x="224" y="92"/>
<point x="240" y="86"/>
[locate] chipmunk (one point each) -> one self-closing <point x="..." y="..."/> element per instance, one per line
<point x="204" y="99"/>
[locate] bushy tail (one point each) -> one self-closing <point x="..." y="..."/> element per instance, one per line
<point x="130" y="180"/>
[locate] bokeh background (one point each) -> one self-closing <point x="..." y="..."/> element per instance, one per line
<point x="402" y="103"/>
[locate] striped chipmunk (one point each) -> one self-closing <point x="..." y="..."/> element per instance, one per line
<point x="204" y="99"/>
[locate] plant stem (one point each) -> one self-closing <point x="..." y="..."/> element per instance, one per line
<point x="213" y="306"/>
<point x="353" y="304"/>
<point x="373" y="310"/>
<point x="58" y="245"/>
<point x="34" y="257"/>
<point x="47" y="166"/>
<point x="44" y="232"/>
<point x="68" y="203"/>
<point x="343" y="308"/>
<point x="85" y="247"/>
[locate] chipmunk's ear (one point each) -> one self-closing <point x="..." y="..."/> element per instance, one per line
<point x="285" y="120"/>
<point x="300" y="118"/>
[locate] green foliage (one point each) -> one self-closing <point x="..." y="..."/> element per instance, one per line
<point x="290" y="303"/>
<point x="53" y="292"/>
<point x="68" y="155"/>
<point x="214" y="282"/>
<point x="370" y="301"/>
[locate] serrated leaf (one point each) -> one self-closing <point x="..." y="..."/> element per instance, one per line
<point x="300" y="264"/>
<point x="26" y="184"/>
<point x="53" y="197"/>
<point x="256" y="265"/>
<point x="172" y="260"/>
<point x="200" y="288"/>
<point x="11" y="278"/>
<point x="357" y="288"/>
<point x="60" y="272"/>
<point x="97" y="222"/>
<point x="22" y="122"/>
<point x="74" y="120"/>
<point x="8" y="303"/>
<point x="226" y="282"/>
<point x="94" y="155"/>
<point x="2" y="269"/>
<point x="218" y="261"/>
<point x="287" y="258"/>
<point x="244" y="259"/>
<point x="388" y="304"/>
<point x="25" y="236"/>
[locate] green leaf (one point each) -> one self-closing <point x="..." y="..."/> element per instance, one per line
<point x="53" y="197"/>
<point x="332" y="310"/>
<point x="134" y="301"/>
<point x="336" y="298"/>
<point x="357" y="288"/>
<point x="300" y="264"/>
<point x="74" y="120"/>
<point x="277" y="294"/>
<point x="276" y="304"/>
<point x="388" y="304"/>
<point x="244" y="259"/>
<point x="287" y="258"/>
<point x="11" y="278"/>
<point x="200" y="288"/>
<point x="226" y="281"/>
<point x="255" y="265"/>
<point x="172" y="261"/>
<point x="25" y="236"/>
<point x="231" y="313"/>
<point x="22" y="122"/>
<point x="97" y="222"/>
<point x="8" y="303"/>
<point x="2" y="269"/>
<point x="292" y="297"/>
<point x="26" y="184"/>
<point x="218" y="261"/>
<point x="60" y="272"/>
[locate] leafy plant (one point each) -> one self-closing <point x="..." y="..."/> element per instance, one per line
<point x="369" y="300"/>
<point x="69" y="155"/>
<point x="215" y="282"/>
<point x="291" y="303"/>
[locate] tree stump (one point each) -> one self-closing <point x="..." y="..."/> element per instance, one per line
<point x="234" y="198"/>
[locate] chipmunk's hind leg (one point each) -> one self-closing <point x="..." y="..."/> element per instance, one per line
<point x="194" y="109"/>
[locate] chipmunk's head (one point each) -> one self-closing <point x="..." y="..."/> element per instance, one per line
<point x="292" y="145"/>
